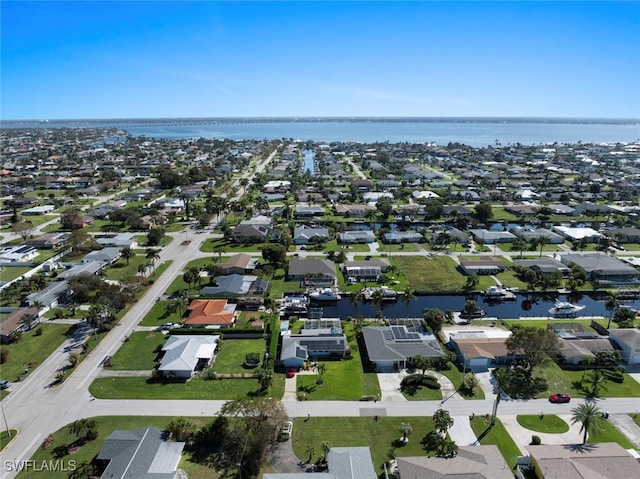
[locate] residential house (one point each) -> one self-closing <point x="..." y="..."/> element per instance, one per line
<point x="309" y="211"/>
<point x="456" y="210"/>
<point x="312" y="271"/>
<point x="18" y="254"/>
<point x="529" y="235"/>
<point x="236" y="286"/>
<point x="117" y="240"/>
<point x="38" y="210"/>
<point x="210" y="313"/>
<point x="357" y="236"/>
<point x="603" y="268"/>
<point x="49" y="240"/>
<point x="184" y="355"/>
<point x="389" y="347"/>
<point x="252" y="233"/>
<point x="543" y="264"/>
<point x="481" y="349"/>
<point x="628" y="340"/>
<point x="143" y="453"/>
<point x="492" y="237"/>
<point x="397" y="237"/>
<point x="477" y="462"/>
<point x="105" y="256"/>
<point x="578" y="234"/>
<point x="93" y="267"/>
<point x="561" y="209"/>
<point x="484" y="265"/>
<point x="304" y="234"/>
<point x="239" y="264"/>
<point x="354" y="211"/>
<point x="54" y="294"/>
<point x="625" y="235"/>
<point x="312" y="344"/>
<point x="19" y="320"/>
<point x="605" y="460"/>
<point x="368" y="270"/>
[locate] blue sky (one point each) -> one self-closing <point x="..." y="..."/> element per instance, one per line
<point x="124" y="59"/>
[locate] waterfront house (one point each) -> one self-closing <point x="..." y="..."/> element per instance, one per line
<point x="628" y="340"/>
<point x="312" y="271"/>
<point x="603" y="268"/>
<point x="389" y="347"/>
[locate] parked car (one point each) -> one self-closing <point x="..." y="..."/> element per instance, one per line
<point x="167" y="327"/>
<point x="4" y="384"/>
<point x="560" y="398"/>
<point x="287" y="427"/>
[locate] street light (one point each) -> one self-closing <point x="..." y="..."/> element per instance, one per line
<point x="5" y="420"/>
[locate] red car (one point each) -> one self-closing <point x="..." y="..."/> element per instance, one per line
<point x="291" y="372"/>
<point x="559" y="398"/>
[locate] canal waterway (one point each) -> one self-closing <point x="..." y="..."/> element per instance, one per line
<point x="309" y="160"/>
<point x="525" y="306"/>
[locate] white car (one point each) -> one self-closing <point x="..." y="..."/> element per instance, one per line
<point x="287" y="427"/>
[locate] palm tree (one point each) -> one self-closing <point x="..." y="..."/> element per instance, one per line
<point x="542" y="241"/>
<point x="325" y="447"/>
<point x="408" y="295"/>
<point x="377" y="298"/>
<point x="612" y="303"/>
<point x="596" y="379"/>
<point x="219" y="250"/>
<point x="265" y="377"/>
<point x="355" y="299"/>
<point x="519" y="245"/>
<point x="153" y="255"/>
<point x="127" y="253"/>
<point x="590" y="417"/>
<point x="311" y="450"/>
<point x="322" y="368"/>
<point x="39" y="305"/>
<point x="405" y="429"/>
<point x="442" y="421"/>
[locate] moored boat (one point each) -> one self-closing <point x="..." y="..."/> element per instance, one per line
<point x="563" y="309"/>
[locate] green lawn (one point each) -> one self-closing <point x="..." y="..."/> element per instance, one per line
<point x="404" y="247"/>
<point x="123" y="270"/>
<point x="106" y="425"/>
<point x="9" y="273"/>
<point x="139" y="352"/>
<point x="560" y="380"/>
<point x="6" y="437"/>
<point x="31" y="350"/>
<point x="212" y="245"/>
<point x="381" y="436"/>
<point x="196" y="388"/>
<point x="610" y="434"/>
<point x="232" y="354"/>
<point x="430" y="275"/>
<point x="278" y="286"/>
<point x="424" y="394"/>
<point x="343" y="380"/>
<point x="548" y="423"/>
<point x="157" y="315"/>
<point x="498" y="436"/>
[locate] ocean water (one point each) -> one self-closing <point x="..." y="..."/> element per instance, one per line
<point x="475" y="132"/>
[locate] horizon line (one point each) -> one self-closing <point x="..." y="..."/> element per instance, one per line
<point x="322" y="117"/>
